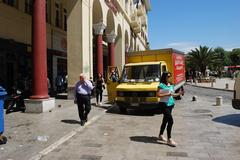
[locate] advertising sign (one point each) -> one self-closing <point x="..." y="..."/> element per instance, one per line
<point x="179" y="67"/>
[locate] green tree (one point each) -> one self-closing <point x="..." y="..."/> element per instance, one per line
<point x="202" y="57"/>
<point x="222" y="60"/>
<point x="234" y="56"/>
<point x="222" y="55"/>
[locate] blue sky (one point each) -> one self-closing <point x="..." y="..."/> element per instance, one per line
<point x="186" y="24"/>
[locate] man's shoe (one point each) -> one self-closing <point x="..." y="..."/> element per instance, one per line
<point x="82" y="122"/>
<point x="100" y="104"/>
<point x="8" y="111"/>
<point x="171" y="143"/>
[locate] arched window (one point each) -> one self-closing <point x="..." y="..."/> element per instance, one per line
<point x="29" y="6"/>
<point x="11" y="2"/>
<point x="48" y="11"/>
<point x="57" y="14"/>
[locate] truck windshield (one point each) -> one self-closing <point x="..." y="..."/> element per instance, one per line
<point x="141" y="73"/>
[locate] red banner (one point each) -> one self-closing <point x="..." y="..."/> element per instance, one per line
<point x="179" y="68"/>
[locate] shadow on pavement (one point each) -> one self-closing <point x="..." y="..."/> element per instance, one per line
<point x="145" y="139"/>
<point x="70" y="121"/>
<point x="137" y="112"/>
<point x="231" y="119"/>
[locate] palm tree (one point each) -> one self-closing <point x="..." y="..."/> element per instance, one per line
<point x="202" y="57"/>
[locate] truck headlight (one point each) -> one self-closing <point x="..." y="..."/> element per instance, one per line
<point x="151" y="94"/>
<point x="120" y="94"/>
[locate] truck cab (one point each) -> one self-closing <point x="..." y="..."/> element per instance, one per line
<point x="236" y="95"/>
<point x="137" y="86"/>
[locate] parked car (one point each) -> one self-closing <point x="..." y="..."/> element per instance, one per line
<point x="236" y="95"/>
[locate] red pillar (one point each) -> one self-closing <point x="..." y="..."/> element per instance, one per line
<point x="40" y="89"/>
<point x="98" y="29"/>
<point x="111" y="48"/>
<point x="99" y="54"/>
<point x="111" y="54"/>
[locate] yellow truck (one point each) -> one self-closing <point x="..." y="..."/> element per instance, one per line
<point x="138" y="84"/>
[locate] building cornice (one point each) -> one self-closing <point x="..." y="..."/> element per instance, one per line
<point x="147" y="4"/>
<point x="129" y="21"/>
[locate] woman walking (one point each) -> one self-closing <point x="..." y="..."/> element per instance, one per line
<point x="99" y="89"/>
<point x="166" y="93"/>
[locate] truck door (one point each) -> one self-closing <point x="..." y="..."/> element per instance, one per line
<point x="113" y="77"/>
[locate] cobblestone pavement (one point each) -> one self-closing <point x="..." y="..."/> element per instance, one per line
<point x="28" y="133"/>
<point x="203" y="131"/>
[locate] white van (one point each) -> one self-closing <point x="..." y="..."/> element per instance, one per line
<point x="236" y="95"/>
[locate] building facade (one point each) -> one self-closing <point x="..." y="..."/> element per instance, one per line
<point x="102" y="32"/>
<point x="82" y="36"/>
<point x="16" y="40"/>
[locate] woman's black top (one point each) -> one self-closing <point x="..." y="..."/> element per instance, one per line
<point x="99" y="84"/>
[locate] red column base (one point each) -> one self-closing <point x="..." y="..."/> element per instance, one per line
<point x="39" y="97"/>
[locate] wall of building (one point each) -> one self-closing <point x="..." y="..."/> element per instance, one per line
<point x="16" y="28"/>
<point x="80" y="34"/>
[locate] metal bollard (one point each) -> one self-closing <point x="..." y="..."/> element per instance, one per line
<point x="227" y="86"/>
<point x="195" y="81"/>
<point x="194" y="98"/>
<point x="219" y="101"/>
<point x="212" y="83"/>
<point x="191" y="81"/>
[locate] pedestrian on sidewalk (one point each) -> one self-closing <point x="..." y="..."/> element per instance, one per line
<point x="166" y="93"/>
<point x="83" y="98"/>
<point x="100" y="86"/>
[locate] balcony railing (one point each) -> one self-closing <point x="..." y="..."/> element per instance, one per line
<point x="137" y="29"/>
<point x="140" y="11"/>
<point x="143" y="21"/>
<point x="134" y="20"/>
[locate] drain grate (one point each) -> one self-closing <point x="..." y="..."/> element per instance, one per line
<point x="209" y="133"/>
<point x="92" y="145"/>
<point x="177" y="154"/>
<point x="90" y="157"/>
<point x="202" y="111"/>
<point x="200" y="116"/>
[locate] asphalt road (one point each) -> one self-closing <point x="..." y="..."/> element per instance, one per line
<point x="209" y="94"/>
<point x="203" y="132"/>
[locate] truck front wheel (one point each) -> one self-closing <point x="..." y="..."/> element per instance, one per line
<point x="122" y="109"/>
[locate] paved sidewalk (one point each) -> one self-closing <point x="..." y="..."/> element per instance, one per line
<point x="219" y="84"/>
<point x="28" y="134"/>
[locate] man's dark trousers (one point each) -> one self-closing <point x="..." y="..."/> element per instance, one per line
<point x="84" y="106"/>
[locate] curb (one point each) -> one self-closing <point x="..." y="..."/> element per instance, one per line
<point x="221" y="89"/>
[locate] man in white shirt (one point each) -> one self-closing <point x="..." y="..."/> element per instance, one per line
<point x="83" y="97"/>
